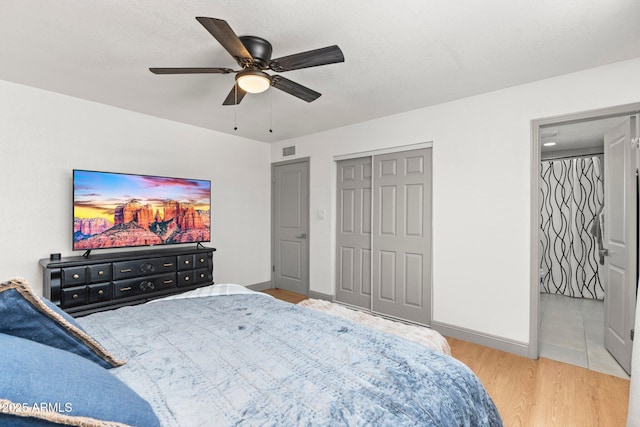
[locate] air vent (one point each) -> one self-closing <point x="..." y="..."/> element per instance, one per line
<point x="289" y="151"/>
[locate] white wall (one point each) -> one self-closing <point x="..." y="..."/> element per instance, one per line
<point x="481" y="193"/>
<point x="44" y="135"/>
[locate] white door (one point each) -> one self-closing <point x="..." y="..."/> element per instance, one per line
<point x="620" y="240"/>
<point x="291" y="227"/>
<point x="401" y="241"/>
<point x="353" y="232"/>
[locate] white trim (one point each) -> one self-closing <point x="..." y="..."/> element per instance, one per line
<point x="263" y="286"/>
<point x="510" y="346"/>
<point x="320" y="295"/>
<point x="372" y="153"/>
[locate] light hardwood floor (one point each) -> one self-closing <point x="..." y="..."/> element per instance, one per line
<point x="287" y="296"/>
<point x="537" y="393"/>
<point x="545" y="392"/>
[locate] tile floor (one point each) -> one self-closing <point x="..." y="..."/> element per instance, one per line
<point x="572" y="331"/>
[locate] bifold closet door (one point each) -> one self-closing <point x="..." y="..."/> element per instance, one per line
<point x="401" y="239"/>
<point x="353" y="237"/>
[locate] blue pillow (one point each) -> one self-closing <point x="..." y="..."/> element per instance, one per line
<point x="45" y="386"/>
<point x="24" y="314"/>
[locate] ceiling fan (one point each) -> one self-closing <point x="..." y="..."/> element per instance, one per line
<point x="253" y="54"/>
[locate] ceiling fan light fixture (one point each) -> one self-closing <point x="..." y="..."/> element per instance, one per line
<point x="253" y="81"/>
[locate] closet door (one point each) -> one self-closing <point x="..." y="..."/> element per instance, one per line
<point x="401" y="244"/>
<point x="353" y="237"/>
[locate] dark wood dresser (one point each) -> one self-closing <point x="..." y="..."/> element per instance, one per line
<point x="83" y="285"/>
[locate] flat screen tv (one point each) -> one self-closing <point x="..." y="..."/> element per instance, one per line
<point x="117" y="210"/>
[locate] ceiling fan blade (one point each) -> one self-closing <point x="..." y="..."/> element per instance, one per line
<point x="232" y="97"/>
<point x="191" y="70"/>
<point x="227" y="38"/>
<point x="311" y="58"/>
<point x="295" y="89"/>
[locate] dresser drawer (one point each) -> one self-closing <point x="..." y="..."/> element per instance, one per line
<point x="74" y="276"/>
<point x="98" y="293"/>
<point x="99" y="273"/>
<point x="203" y="275"/>
<point x="72" y="297"/>
<point x="203" y="260"/>
<point x="138" y="286"/>
<point x="186" y="278"/>
<point x="151" y="266"/>
<point x="186" y="262"/>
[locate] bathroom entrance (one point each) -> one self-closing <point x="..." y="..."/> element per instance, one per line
<point x="584" y="298"/>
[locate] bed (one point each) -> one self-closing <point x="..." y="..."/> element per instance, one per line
<point x="227" y="356"/>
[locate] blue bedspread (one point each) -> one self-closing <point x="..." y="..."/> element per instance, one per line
<point x="253" y="360"/>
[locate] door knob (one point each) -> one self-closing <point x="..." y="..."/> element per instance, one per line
<point x="604" y="252"/>
<point x="302" y="236"/>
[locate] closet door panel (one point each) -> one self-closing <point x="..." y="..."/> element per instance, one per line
<point x="365" y="205"/>
<point x="353" y="237"/>
<point x="414" y="220"/>
<point x="387" y="209"/>
<point x="387" y="275"/>
<point x="365" y="273"/>
<point x="346" y="269"/>
<point x="413" y="285"/>
<point x="401" y="241"/>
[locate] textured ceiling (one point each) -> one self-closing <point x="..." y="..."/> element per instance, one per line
<point x="399" y="56"/>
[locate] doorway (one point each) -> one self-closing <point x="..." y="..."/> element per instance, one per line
<point x="290" y="225"/>
<point x="618" y="317"/>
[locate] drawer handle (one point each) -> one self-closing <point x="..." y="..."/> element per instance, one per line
<point x="75" y="296"/>
<point x="126" y="270"/>
<point x="202" y="275"/>
<point x="100" y="273"/>
<point x="201" y="259"/>
<point x="125" y="289"/>
<point x="186" y="261"/>
<point x="101" y="292"/>
<point x="186" y="278"/>
<point x="168" y="264"/>
<point x="166" y="282"/>
<point x="76" y="276"/>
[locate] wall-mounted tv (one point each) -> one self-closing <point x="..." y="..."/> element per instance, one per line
<point x="116" y="210"/>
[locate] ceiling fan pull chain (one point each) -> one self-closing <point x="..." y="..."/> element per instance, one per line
<point x="235" y="107"/>
<point x="271" y="111"/>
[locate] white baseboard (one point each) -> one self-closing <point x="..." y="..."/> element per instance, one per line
<point x="510" y="346"/>
<point x="258" y="287"/>
<point x="318" y="295"/>
<point x="267" y="285"/>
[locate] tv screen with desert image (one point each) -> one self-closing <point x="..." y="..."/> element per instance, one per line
<point x="116" y="210"/>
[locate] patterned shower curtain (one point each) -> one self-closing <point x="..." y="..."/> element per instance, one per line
<point x="572" y="197"/>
